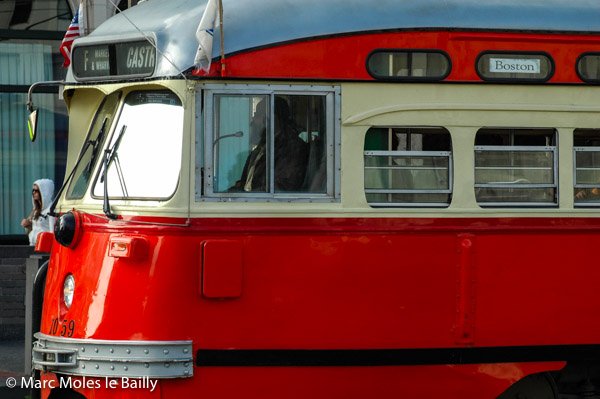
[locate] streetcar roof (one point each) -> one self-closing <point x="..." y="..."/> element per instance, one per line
<point x="250" y="24"/>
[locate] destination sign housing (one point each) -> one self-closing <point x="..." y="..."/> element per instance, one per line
<point x="114" y="60"/>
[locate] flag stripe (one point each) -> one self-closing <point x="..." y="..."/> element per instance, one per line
<point x="73" y="32"/>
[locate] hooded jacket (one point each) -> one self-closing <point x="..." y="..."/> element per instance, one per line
<point x="45" y="222"/>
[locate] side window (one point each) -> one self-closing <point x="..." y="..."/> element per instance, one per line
<point x="408" y="166"/>
<point x="406" y="64"/>
<point x="270" y="145"/>
<point x="588" y="67"/>
<point x="515" y="167"/>
<point x="586" y="156"/>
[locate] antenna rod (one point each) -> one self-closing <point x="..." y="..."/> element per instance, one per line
<point x="223" y="71"/>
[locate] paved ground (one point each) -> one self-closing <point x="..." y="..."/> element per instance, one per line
<point x="12" y="365"/>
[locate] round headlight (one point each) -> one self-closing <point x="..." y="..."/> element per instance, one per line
<point x="66" y="229"/>
<point x="68" y="290"/>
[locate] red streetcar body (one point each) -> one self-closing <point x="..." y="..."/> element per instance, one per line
<point x="329" y="59"/>
<point x="331" y="293"/>
<point x="353" y="200"/>
<point x="341" y="296"/>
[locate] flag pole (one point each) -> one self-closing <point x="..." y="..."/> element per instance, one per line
<point x="223" y="71"/>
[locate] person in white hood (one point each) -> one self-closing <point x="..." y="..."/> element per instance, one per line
<point x="39" y="220"/>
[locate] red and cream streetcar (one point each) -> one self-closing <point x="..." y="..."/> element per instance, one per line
<point x="356" y="199"/>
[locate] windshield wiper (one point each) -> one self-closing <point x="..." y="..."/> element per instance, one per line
<point x="68" y="179"/>
<point x="110" y="154"/>
<point x="86" y="145"/>
<point x="96" y="144"/>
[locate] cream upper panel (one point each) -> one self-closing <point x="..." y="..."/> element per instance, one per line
<point x="469" y="105"/>
<point x="463" y="110"/>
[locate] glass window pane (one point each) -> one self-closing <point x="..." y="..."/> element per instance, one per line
<point x="239" y="143"/>
<point x="588" y="67"/>
<point x="388" y="200"/>
<point x="46" y="15"/>
<point x="146" y="147"/>
<point x="96" y="136"/>
<point x="300" y="144"/>
<point x="407" y="166"/>
<point x="515" y="166"/>
<point x="588" y="176"/>
<point x="23" y="63"/>
<point x="522" y="167"/>
<point x="516" y="195"/>
<point x="521" y="158"/>
<point x="408" y="64"/>
<point x="408" y="172"/>
<point x="246" y="161"/>
<point x="587" y="166"/>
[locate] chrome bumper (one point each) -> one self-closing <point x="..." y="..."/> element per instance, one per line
<point x="103" y="358"/>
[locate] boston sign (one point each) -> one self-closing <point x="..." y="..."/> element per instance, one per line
<point x="513" y="65"/>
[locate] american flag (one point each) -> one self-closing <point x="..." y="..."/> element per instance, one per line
<point x="73" y="33"/>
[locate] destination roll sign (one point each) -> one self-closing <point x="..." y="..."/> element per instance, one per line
<point x="113" y="60"/>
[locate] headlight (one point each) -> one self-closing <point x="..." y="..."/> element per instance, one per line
<point x="68" y="290"/>
<point x="67" y="229"/>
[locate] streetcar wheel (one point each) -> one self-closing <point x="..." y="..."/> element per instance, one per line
<point x="535" y="386"/>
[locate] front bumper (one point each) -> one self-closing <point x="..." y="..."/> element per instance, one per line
<point x="105" y="358"/>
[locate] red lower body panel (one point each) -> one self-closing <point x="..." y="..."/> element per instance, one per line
<point x="338" y="284"/>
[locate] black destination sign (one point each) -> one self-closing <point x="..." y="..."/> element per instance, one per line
<point x="105" y="61"/>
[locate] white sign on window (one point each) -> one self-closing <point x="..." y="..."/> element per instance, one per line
<point x="513" y="65"/>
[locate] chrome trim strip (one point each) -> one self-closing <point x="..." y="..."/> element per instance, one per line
<point x="107" y="358"/>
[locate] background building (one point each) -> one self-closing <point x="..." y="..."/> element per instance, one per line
<point x="31" y="32"/>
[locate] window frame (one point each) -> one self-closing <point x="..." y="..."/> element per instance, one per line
<point x="111" y="48"/>
<point x="518" y="148"/>
<point x="577" y="66"/>
<point x="578" y="149"/>
<point x="390" y="78"/>
<point x="111" y="132"/>
<point x="94" y="162"/>
<point x="516" y="53"/>
<point x="583" y="204"/>
<point x="204" y="147"/>
<point x="408" y="153"/>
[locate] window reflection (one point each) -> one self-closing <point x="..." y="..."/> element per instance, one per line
<point x="147" y="142"/>
<point x="586" y="157"/>
<point x="408" y="166"/>
<point x="588" y="67"/>
<point x="251" y="156"/>
<point x="516" y="167"/>
<point x="408" y="65"/>
<point x="49" y="15"/>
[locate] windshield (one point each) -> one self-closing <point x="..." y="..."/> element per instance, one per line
<point x="145" y="147"/>
<point x="92" y="146"/>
